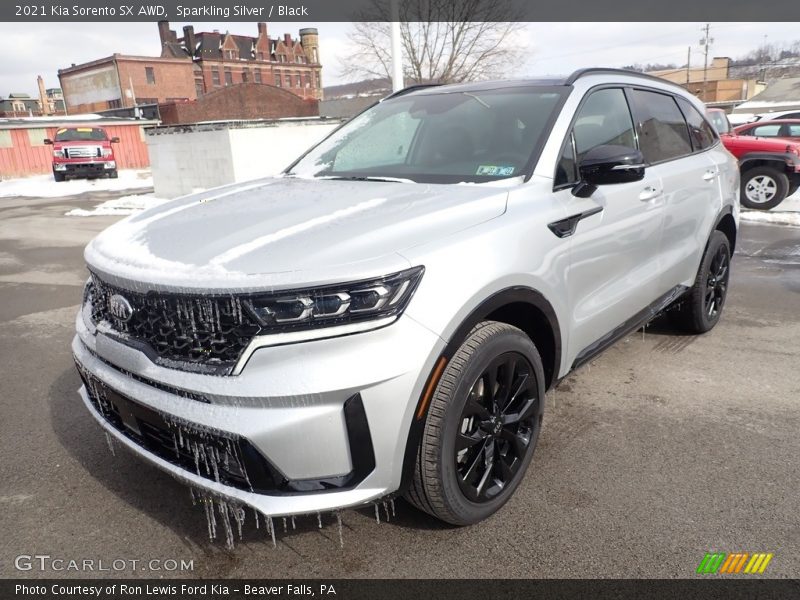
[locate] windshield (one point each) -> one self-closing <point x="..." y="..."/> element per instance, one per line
<point x="81" y="134"/>
<point x="720" y="121"/>
<point x="470" y="136"/>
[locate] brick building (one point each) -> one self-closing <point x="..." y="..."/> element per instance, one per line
<point x="198" y="64"/>
<point x="225" y="59"/>
<point x="712" y="84"/>
<point x="123" y="81"/>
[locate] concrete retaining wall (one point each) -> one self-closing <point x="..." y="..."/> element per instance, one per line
<point x="189" y="158"/>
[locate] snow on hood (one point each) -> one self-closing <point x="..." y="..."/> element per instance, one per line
<point x="284" y="232"/>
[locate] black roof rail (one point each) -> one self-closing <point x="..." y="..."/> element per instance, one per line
<point x="411" y="88"/>
<point x="600" y="70"/>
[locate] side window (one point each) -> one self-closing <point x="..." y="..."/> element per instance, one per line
<point x="702" y="133"/>
<point x="663" y="134"/>
<point x="794" y="130"/>
<point x="567" y="170"/>
<point x="765" y="131"/>
<point x="603" y="119"/>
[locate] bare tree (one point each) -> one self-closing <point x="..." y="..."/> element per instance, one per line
<point x="444" y="41"/>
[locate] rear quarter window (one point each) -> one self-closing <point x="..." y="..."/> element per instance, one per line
<point x="701" y="132"/>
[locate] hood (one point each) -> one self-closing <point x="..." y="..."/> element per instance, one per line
<point x="284" y="232"/>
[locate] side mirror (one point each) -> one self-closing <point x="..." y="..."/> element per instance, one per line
<point x="115" y="140"/>
<point x="608" y="164"/>
<point x="48" y="142"/>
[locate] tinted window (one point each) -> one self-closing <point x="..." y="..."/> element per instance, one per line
<point x="566" y="171"/>
<point x="603" y="119"/>
<point x="663" y="134"/>
<point x="701" y="132"/>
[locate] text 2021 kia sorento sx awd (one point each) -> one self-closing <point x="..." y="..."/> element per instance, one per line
<point x="386" y="316"/>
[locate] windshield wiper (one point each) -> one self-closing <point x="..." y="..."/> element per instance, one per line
<point x="366" y="178"/>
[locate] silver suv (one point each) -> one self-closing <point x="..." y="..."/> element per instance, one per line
<point x="386" y="316"/>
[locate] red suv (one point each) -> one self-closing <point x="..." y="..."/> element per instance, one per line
<point x="770" y="166"/>
<point x="83" y="152"/>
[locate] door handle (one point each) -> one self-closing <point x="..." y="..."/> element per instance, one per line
<point x="650" y="193"/>
<point x="710" y="175"/>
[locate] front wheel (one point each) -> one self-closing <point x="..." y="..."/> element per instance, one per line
<point x="482" y="426"/>
<point x="59" y="177"/>
<point x="763" y="188"/>
<point x="701" y="308"/>
<point x="113" y="174"/>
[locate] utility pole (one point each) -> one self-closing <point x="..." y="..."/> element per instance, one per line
<point x="705" y="42"/>
<point x="397" y="49"/>
<point x="688" y="65"/>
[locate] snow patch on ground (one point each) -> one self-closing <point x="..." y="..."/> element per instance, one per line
<point x="43" y="186"/>
<point x="126" y="205"/>
<point x="786" y="213"/>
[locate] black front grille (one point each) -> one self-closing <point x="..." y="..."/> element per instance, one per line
<point x="204" y="333"/>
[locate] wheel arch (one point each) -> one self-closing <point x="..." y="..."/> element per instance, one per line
<point x="519" y="306"/>
<point x="726" y="223"/>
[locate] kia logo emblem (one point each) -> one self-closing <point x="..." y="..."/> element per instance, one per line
<point x="120" y="308"/>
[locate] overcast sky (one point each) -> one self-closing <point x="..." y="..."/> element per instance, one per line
<point x="553" y="48"/>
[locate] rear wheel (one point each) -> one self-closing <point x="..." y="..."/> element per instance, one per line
<point x="701" y="308"/>
<point x="763" y="188"/>
<point x="482" y="426"/>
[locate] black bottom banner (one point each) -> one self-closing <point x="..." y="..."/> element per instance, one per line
<point x="387" y="589"/>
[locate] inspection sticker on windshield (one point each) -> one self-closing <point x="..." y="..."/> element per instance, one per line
<point x="495" y="170"/>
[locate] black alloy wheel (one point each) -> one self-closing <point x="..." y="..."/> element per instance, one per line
<point x="498" y="423"/>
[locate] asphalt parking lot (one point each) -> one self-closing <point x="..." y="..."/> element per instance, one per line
<point x="663" y="448"/>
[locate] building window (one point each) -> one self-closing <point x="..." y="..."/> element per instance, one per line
<point x="245" y="75"/>
<point x="199" y="88"/>
<point x="282" y="58"/>
<point x="308" y="81"/>
<point x="231" y="54"/>
<point x="215" y="77"/>
<point x="316" y="80"/>
<point x="150" y="74"/>
<point x="297" y="81"/>
<point x="314" y="55"/>
<point x="36" y="137"/>
<point x="228" y="76"/>
<point x="277" y="80"/>
<point x="258" y="75"/>
<point x="261" y="56"/>
<point x="141" y="101"/>
<point x="115" y="103"/>
<point x="288" y="80"/>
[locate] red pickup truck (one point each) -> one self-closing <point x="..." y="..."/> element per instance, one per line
<point x="83" y="152"/>
<point x="770" y="166"/>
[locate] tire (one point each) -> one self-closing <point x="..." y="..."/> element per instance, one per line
<point x="59" y="177"/>
<point x="763" y="188"/>
<point x="792" y="188"/>
<point x="113" y="174"/>
<point x="700" y="310"/>
<point x="459" y="487"/>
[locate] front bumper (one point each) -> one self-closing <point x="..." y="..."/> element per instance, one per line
<point x="330" y="418"/>
<point x="85" y="168"/>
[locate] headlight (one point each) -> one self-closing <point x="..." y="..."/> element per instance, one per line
<point x="106" y="152"/>
<point x="58" y="154"/>
<point x="328" y="306"/>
